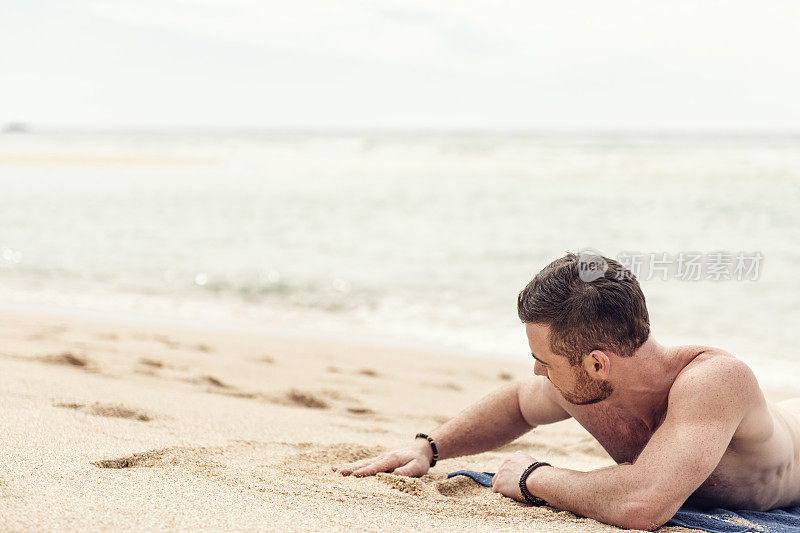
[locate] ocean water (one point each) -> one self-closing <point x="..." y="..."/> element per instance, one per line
<point x="412" y="239"/>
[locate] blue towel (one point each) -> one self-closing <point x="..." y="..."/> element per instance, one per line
<point x="713" y="520"/>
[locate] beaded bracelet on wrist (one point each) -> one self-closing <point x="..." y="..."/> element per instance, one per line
<point x="523" y="486"/>
<point x="433" y="446"/>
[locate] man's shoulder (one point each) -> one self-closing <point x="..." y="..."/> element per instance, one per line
<point x="714" y="375"/>
<point x="718" y="386"/>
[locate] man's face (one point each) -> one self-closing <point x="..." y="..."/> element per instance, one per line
<point x="574" y="383"/>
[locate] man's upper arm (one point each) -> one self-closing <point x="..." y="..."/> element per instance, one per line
<point x="537" y="404"/>
<point x="706" y="406"/>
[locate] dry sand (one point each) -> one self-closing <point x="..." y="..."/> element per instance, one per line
<point x="122" y="426"/>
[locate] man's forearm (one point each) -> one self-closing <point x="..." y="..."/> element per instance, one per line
<point x="493" y="421"/>
<point x="614" y="495"/>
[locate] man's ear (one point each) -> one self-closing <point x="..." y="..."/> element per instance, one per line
<point x="597" y="364"/>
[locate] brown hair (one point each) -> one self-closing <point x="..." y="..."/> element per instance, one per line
<point x="608" y="312"/>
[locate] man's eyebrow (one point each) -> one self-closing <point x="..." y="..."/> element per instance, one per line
<point x="534" y="356"/>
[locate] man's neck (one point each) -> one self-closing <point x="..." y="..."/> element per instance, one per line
<point x="644" y="381"/>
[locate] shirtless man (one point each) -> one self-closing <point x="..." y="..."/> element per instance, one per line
<point x="682" y="423"/>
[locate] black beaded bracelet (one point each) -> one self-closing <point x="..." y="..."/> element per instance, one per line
<point x="523" y="487"/>
<point x="433" y="446"/>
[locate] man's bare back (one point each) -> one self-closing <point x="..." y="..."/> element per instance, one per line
<point x="759" y="470"/>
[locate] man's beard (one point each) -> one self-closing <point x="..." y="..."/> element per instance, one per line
<point x="587" y="390"/>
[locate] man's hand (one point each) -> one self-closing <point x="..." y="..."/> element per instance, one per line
<point x="506" y="480"/>
<point x="413" y="460"/>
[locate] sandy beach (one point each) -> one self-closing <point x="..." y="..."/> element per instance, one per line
<point x="244" y="243"/>
<point x="123" y="426"/>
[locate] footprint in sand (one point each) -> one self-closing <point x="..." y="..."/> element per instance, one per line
<point x="211" y="380"/>
<point x="132" y="461"/>
<point x="293" y="397"/>
<point x="360" y="411"/>
<point x="67" y="359"/>
<point x="318" y="400"/>
<point x="175" y="456"/>
<point x="118" y="411"/>
<point x="217" y="386"/>
<point x="305" y="399"/>
<point x="108" y="410"/>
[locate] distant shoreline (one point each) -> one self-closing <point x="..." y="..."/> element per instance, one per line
<point x="322" y="132"/>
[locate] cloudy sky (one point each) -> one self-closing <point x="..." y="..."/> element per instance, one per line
<point x="573" y="64"/>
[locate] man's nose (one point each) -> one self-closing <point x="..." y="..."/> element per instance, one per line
<point x="538" y="369"/>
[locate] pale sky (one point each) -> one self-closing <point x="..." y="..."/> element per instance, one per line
<point x="568" y="64"/>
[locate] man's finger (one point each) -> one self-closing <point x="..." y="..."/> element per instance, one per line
<point x="405" y="470"/>
<point x="349" y="468"/>
<point x="383" y="465"/>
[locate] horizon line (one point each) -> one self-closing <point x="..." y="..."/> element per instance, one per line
<point x="24" y="128"/>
